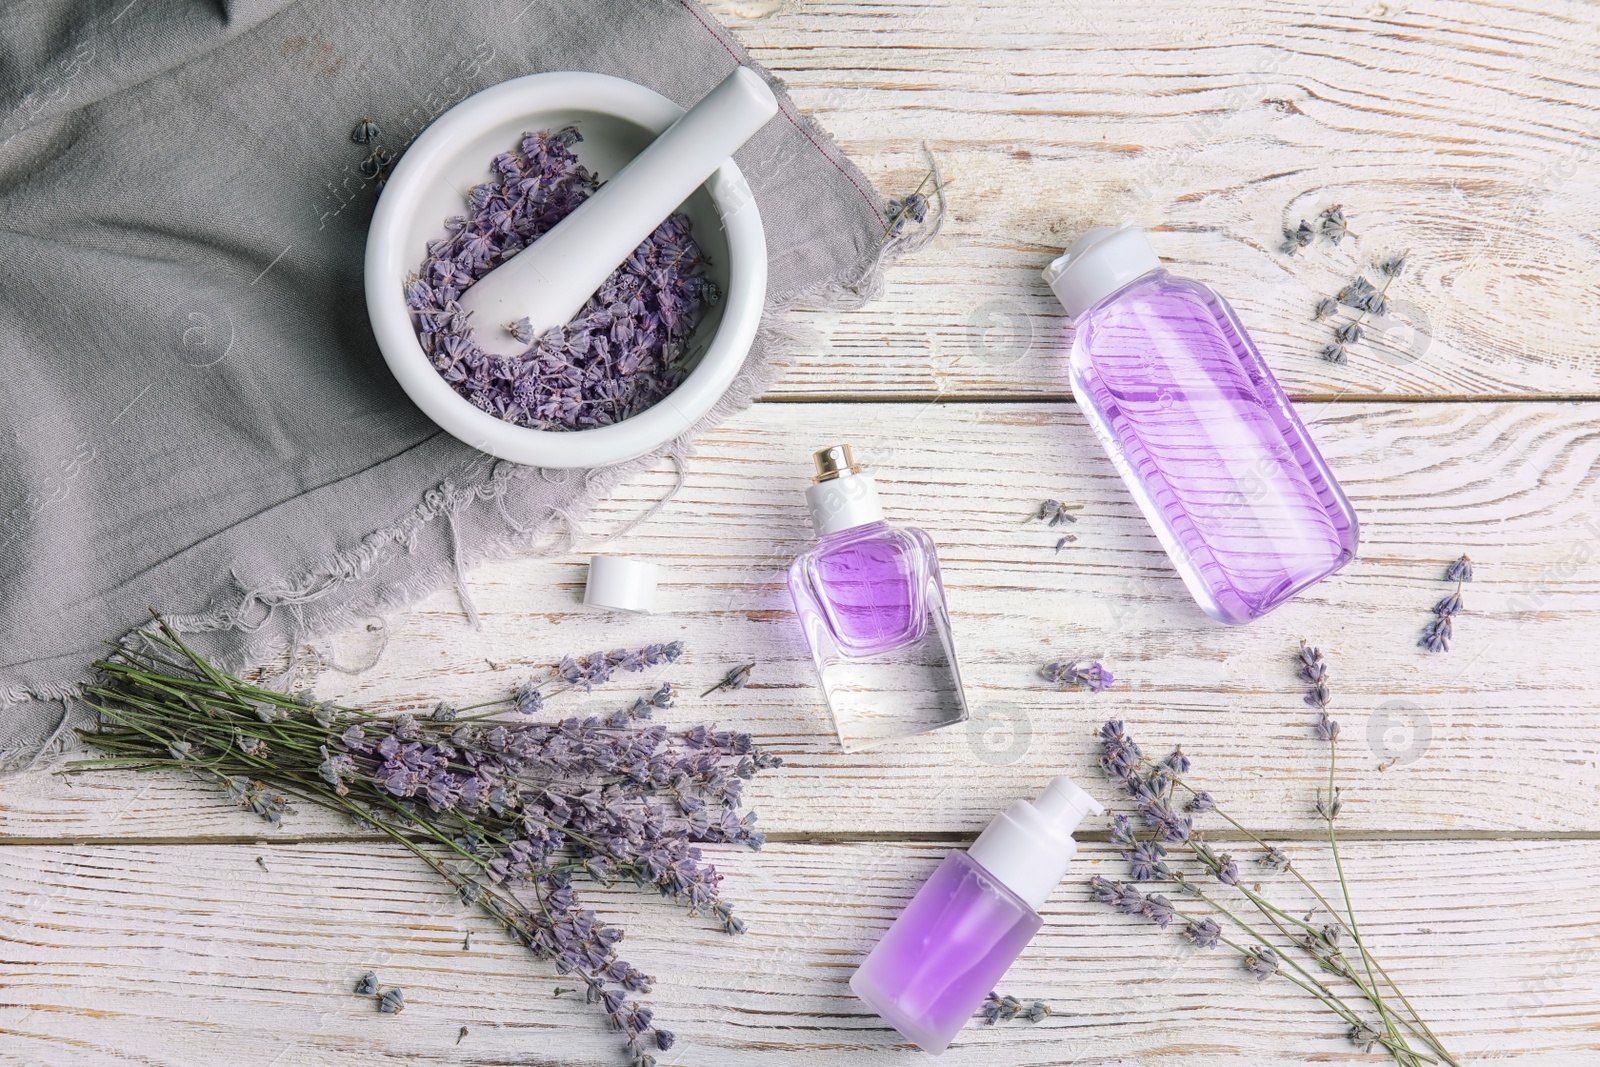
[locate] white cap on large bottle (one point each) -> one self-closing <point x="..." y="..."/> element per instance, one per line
<point x="842" y="497"/>
<point x="1098" y="264"/>
<point x="1028" y="846"/>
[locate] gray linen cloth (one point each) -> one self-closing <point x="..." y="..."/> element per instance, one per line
<point x="193" y="413"/>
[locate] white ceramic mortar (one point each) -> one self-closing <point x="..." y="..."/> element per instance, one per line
<point x="617" y="119"/>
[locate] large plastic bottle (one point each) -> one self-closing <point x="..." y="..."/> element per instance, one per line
<point x="1200" y="430"/>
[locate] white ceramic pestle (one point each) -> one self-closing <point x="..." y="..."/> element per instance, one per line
<point x="550" y="280"/>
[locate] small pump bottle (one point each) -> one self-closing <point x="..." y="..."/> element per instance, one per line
<point x="1199" y="429"/>
<point x="972" y="918"/>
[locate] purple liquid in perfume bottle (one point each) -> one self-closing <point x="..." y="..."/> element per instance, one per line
<point x="870" y="582"/>
<point x="945" y="952"/>
<point x="1208" y="443"/>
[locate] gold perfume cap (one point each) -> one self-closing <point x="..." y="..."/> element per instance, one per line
<point x="834" y="462"/>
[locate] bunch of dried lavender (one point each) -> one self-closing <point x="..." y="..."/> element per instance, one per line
<point x="508" y="811"/>
<point x="1278" y="943"/>
<point x="624" y="351"/>
<point x="1436" y="636"/>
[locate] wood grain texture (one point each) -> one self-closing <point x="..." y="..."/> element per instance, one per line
<point x="1477" y="739"/>
<point x="1465" y="132"/>
<point x="201" y="955"/>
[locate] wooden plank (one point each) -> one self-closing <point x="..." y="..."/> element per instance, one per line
<point x="199" y="955"/>
<point x="1479" y="739"/>
<point x="1462" y="131"/>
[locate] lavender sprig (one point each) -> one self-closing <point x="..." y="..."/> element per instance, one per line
<point x="1362" y="297"/>
<point x="509" y="812"/>
<point x="1439" y="631"/>
<point x="1152" y="785"/>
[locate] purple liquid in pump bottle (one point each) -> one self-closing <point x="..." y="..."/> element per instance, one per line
<point x="1199" y="429"/>
<point x="871" y="605"/>
<point x="972" y="919"/>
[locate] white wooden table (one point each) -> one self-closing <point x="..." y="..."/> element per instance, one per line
<point x="142" y="920"/>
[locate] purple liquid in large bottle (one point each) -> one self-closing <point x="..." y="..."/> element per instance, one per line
<point x="945" y="952"/>
<point x="1210" y="446"/>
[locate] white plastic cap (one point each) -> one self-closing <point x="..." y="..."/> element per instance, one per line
<point x="1028" y="846"/>
<point x="1098" y="264"/>
<point x="618" y="583"/>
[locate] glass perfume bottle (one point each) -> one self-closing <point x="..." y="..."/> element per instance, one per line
<point x="972" y="919"/>
<point x="872" y="608"/>
<point x="1199" y="429"/>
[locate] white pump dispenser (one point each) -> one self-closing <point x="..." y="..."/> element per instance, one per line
<point x="1028" y="846"/>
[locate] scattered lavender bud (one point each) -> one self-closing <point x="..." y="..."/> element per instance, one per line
<point x="1332" y="224"/>
<point x="1391" y="268"/>
<point x="1459" y="571"/>
<point x="377" y="163"/>
<point x="1063" y="542"/>
<point x="1297" y="238"/>
<point x="1326" y="308"/>
<point x="737" y="678"/>
<point x="1055" y="513"/>
<point x="392" y="1002"/>
<point x="1097" y="677"/>
<point x="665" y="1040"/>
<point x="367" y="984"/>
<point x="366" y="132"/>
<point x="1274" y="859"/>
<point x="461" y="1035"/>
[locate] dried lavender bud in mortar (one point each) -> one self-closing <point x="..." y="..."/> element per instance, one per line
<point x="622" y="353"/>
